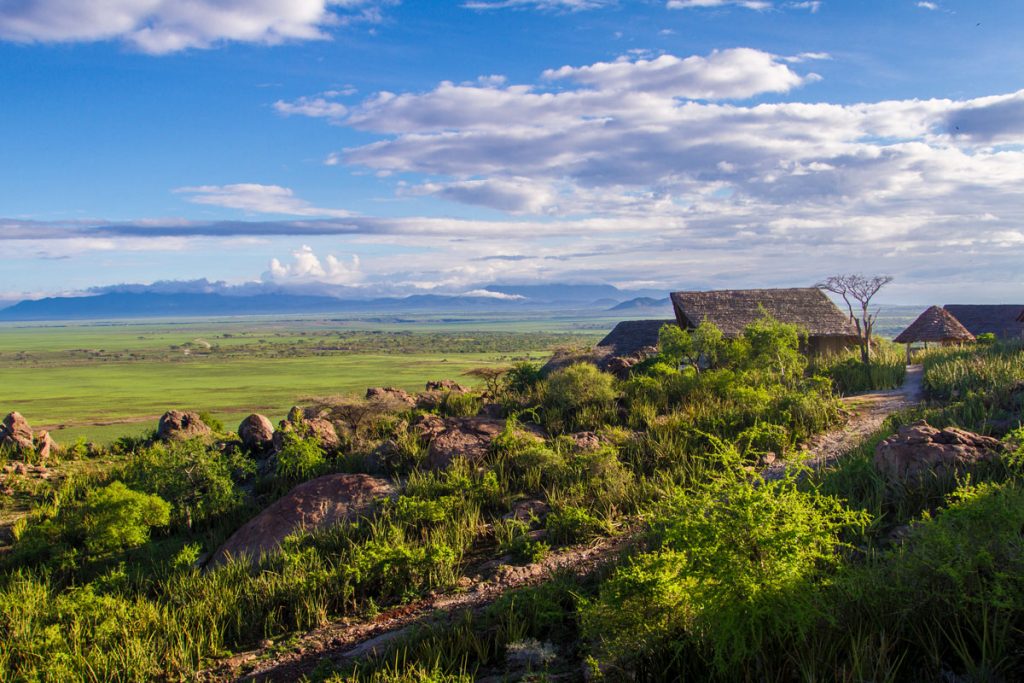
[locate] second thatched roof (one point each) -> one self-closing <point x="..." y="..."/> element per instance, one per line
<point x="934" y="325"/>
<point x="631" y="336"/>
<point x="731" y="310"/>
<point x="1002" y="320"/>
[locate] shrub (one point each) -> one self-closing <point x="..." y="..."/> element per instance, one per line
<point x="572" y="524"/>
<point x="116" y="518"/>
<point x="578" y="397"/>
<point x="300" y="458"/>
<point x="199" y="481"/>
<point x="460" y="404"/>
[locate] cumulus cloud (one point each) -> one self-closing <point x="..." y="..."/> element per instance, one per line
<point x="306" y="266"/>
<point x="164" y="26"/>
<point x="928" y="5"/>
<point x="256" y="198"/>
<point x="690" y="4"/>
<point x="564" y="5"/>
<point x="724" y="74"/>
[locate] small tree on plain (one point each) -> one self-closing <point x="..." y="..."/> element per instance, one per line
<point x="862" y="289"/>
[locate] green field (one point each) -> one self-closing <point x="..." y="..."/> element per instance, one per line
<point x="105" y="380"/>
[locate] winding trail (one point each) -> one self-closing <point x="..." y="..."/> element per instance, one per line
<point x="348" y="640"/>
<point x="869" y="411"/>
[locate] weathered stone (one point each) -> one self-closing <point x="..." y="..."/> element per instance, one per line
<point x="919" y="450"/>
<point x="45" y="445"/>
<point x="429" y="400"/>
<point x="446" y="385"/>
<point x="391" y="395"/>
<point x="426" y="427"/>
<point x="318" y="428"/>
<point x="586" y="441"/>
<point x="256" y="433"/>
<point x="468" y="438"/>
<point x="15" y="432"/>
<point x="315" y="504"/>
<point x="527" y="510"/>
<point x="177" y="425"/>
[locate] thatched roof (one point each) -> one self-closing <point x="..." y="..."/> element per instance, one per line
<point x="999" y="319"/>
<point x="731" y="310"/>
<point x="630" y="336"/>
<point x="934" y="325"/>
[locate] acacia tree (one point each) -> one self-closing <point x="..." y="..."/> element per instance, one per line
<point x="862" y="289"/>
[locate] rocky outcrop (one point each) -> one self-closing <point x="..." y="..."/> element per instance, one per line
<point x="468" y="438"/>
<point x="391" y="396"/>
<point x="586" y="442"/>
<point x="308" y="424"/>
<point x="426" y="427"/>
<point x="15" y="432"/>
<point x="446" y="385"/>
<point x="919" y="450"/>
<point x="178" y="425"/>
<point x="313" y="505"/>
<point x="257" y="434"/>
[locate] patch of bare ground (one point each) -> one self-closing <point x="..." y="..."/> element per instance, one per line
<point x="867" y="413"/>
<point x="349" y="640"/>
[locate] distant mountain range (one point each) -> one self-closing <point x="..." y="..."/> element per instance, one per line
<point x="150" y="304"/>
<point x="644" y="304"/>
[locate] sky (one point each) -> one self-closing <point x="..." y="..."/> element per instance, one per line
<point x="378" y="147"/>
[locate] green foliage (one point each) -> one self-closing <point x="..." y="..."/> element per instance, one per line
<point x="732" y="571"/>
<point x="675" y="345"/>
<point x="850" y="375"/>
<point x="578" y="397"/>
<point x="573" y="524"/>
<point x="460" y="404"/>
<point x="198" y="480"/>
<point x="300" y="458"/>
<point x="116" y="518"/>
<point x="212" y="422"/>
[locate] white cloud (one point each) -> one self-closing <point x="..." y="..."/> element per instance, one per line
<point x="724" y="74"/>
<point x="256" y="198"/>
<point x="563" y="5"/>
<point x="164" y="26"/>
<point x="317" y="107"/>
<point x="306" y="267"/>
<point x="690" y="4"/>
<point x="928" y="5"/>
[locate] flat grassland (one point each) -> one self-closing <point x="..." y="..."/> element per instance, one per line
<point x="104" y="380"/>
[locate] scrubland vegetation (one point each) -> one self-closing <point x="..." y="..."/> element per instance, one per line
<point x="818" y="575"/>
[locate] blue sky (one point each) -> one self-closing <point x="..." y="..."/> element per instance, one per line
<point x="373" y="147"/>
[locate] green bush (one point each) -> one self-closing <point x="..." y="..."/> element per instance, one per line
<point x="116" y="518"/>
<point x="300" y="458"/>
<point x="198" y="480"/>
<point x="578" y="397"/>
<point x="460" y="404"/>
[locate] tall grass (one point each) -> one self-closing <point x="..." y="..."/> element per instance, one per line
<point x="887" y="369"/>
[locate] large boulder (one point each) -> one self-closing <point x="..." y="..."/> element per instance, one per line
<point x="15" y="432"/>
<point x="256" y="433"/>
<point x="468" y="438"/>
<point x="446" y="385"/>
<point x="919" y="450"/>
<point x="391" y="396"/>
<point x="315" y="504"/>
<point x="178" y="425"/>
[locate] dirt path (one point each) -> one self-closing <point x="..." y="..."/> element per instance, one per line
<point x="347" y="640"/>
<point x="869" y="412"/>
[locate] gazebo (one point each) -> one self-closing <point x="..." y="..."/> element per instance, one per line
<point x="935" y="325"/>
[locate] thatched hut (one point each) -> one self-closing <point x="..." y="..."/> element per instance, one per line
<point x="829" y="330"/>
<point x="937" y="326"/>
<point x="631" y="337"/>
<point x="1002" y="320"/>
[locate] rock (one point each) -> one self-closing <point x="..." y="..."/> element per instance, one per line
<point x="315" y="504"/>
<point x="426" y="427"/>
<point x="15" y="432"/>
<point x="20" y="468"/>
<point x="319" y="428"/>
<point x="429" y="400"/>
<point x="177" y="425"/>
<point x="919" y="450"/>
<point x="256" y="433"/>
<point x="618" y="366"/>
<point x="468" y="438"/>
<point x="45" y="445"/>
<point x="391" y="395"/>
<point x="446" y="385"/>
<point x="527" y="510"/>
<point x="586" y="442"/>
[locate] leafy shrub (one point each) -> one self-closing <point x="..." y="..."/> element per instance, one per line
<point x="572" y="524"/>
<point x="300" y="458"/>
<point x="199" y="481"/>
<point x="116" y="518"/>
<point x="513" y="538"/>
<point x="732" y="571"/>
<point x="578" y="397"/>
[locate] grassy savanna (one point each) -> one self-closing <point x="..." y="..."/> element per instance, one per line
<point x="79" y="379"/>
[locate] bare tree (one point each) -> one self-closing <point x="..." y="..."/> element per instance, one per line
<point x="859" y="288"/>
